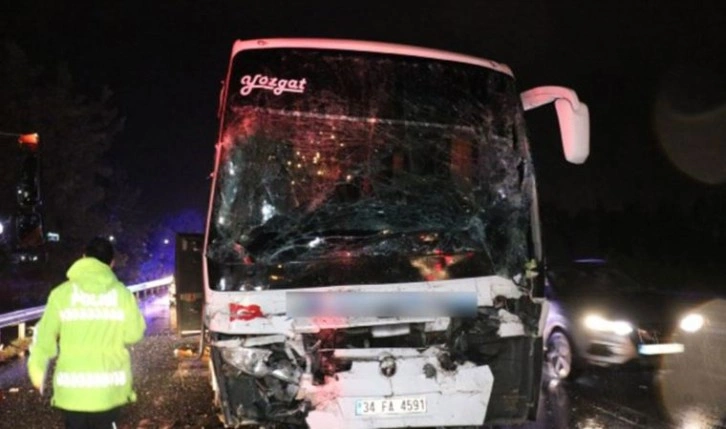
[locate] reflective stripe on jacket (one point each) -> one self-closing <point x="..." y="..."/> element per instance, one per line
<point x="88" y="322"/>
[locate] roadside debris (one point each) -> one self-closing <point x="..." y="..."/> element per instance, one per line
<point x="185" y="351"/>
<point x="16" y="348"/>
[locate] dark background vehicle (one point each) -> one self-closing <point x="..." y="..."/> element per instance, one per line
<point x="601" y="316"/>
<point x="21" y="225"/>
<point x="23" y="243"/>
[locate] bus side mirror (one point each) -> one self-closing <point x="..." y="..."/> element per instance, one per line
<point x="573" y="116"/>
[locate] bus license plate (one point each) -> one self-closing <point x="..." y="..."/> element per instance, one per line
<point x="386" y="406"/>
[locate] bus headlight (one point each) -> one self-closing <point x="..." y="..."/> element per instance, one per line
<point x="692" y="322"/>
<point x="248" y="360"/>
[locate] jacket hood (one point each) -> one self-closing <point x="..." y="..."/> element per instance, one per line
<point x="92" y="275"/>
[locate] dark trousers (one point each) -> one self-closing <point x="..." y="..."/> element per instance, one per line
<point x="84" y="420"/>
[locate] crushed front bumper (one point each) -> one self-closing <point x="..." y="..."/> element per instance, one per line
<point x="388" y="388"/>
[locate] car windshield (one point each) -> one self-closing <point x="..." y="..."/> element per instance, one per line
<point x="394" y="170"/>
<point x="595" y="279"/>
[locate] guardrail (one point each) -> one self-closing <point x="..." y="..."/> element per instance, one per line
<point x="20" y="317"/>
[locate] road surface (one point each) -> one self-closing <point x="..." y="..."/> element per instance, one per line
<point x="174" y="392"/>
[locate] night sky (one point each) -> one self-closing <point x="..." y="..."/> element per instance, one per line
<point x="165" y="60"/>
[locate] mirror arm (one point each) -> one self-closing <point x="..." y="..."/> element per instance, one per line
<point x="572" y="114"/>
<point x="540" y="96"/>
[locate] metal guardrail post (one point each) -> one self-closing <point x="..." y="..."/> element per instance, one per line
<point x="20" y="318"/>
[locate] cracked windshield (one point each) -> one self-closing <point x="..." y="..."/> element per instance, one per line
<point x="345" y="168"/>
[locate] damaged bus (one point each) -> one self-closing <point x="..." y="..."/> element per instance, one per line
<point x="372" y="245"/>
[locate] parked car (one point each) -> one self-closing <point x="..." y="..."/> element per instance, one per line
<point x="601" y="316"/>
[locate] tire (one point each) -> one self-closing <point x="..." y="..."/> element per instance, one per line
<point x="560" y="356"/>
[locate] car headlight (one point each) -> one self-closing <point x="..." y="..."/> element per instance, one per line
<point x="692" y="322"/>
<point x="599" y="323"/>
<point x="248" y="360"/>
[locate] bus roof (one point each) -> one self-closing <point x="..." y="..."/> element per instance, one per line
<point x="366" y="46"/>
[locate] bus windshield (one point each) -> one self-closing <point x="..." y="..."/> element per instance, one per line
<point x="355" y="168"/>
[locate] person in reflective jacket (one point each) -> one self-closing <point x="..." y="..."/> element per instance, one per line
<point x="88" y="322"/>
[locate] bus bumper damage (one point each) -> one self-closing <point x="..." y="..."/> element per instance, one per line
<point x="390" y="388"/>
<point x="381" y="373"/>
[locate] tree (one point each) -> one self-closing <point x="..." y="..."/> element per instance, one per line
<point x="82" y="195"/>
<point x="124" y="222"/>
<point x="161" y="244"/>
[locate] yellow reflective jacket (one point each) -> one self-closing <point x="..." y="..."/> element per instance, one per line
<point x="88" y="322"/>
